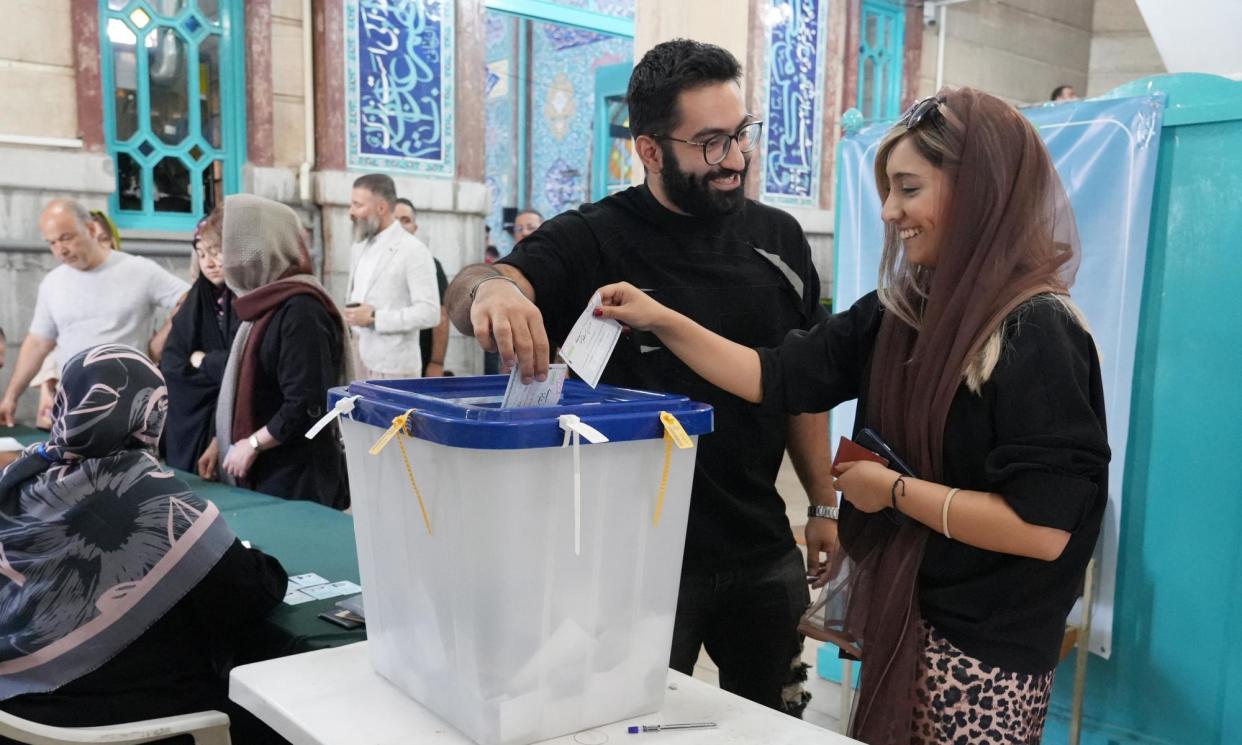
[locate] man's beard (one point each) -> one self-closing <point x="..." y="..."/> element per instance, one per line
<point x="366" y="228"/>
<point x="694" y="194"/>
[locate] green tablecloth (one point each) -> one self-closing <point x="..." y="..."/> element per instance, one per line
<point x="304" y="536"/>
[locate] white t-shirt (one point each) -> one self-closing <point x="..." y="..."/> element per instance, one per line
<point x="114" y="303"/>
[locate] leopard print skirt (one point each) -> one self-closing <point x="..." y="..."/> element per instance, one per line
<point x="962" y="701"/>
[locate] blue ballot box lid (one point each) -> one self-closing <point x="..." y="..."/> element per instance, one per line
<point x="465" y="411"/>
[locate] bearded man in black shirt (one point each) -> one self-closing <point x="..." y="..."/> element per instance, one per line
<point x="691" y="238"/>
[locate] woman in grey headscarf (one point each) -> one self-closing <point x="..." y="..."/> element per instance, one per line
<point x="123" y="595"/>
<point x="290" y="348"/>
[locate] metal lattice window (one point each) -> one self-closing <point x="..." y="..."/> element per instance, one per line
<point x="879" y="59"/>
<point x="173" y="107"/>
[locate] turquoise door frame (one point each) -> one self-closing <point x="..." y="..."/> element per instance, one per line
<point x="1175" y="674"/>
<point x="554" y="12"/>
<point x="145" y="147"/>
<point x="521" y="191"/>
<point x="885" y="50"/>
<point x="610" y="83"/>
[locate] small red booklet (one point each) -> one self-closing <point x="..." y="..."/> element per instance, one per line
<point x="849" y="451"/>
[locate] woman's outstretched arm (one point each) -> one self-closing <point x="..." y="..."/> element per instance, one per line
<point x="717" y="360"/>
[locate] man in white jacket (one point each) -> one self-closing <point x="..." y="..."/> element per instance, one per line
<point x="392" y="284"/>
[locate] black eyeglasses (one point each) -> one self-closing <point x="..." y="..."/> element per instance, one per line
<point x="927" y="109"/>
<point x="716" y="147"/>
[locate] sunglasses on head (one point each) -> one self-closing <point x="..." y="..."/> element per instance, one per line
<point x="927" y="109"/>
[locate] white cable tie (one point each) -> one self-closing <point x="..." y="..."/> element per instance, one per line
<point x="571" y="422"/>
<point x="343" y="406"/>
<point x="576" y="429"/>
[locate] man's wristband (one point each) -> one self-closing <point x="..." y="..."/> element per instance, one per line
<point x="254" y="442"/>
<point x="475" y="289"/>
<point x="823" y="510"/>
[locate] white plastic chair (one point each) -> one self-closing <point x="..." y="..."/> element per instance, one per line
<point x="206" y="727"/>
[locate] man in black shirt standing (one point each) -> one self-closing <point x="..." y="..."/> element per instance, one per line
<point x="432" y="342"/>
<point x="691" y="238"/>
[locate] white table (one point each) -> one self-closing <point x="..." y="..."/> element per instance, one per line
<point x="334" y="697"/>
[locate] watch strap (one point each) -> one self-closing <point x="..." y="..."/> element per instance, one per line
<point x="822" y="510"/>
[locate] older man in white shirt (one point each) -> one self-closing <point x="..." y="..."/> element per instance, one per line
<point x="96" y="296"/>
<point x="392" y="284"/>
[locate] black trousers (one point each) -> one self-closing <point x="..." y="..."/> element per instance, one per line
<point x="748" y="621"/>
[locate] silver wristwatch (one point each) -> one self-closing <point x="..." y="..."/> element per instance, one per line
<point x="821" y="510"/>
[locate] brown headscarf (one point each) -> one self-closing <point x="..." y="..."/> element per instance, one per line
<point x="1009" y="235"/>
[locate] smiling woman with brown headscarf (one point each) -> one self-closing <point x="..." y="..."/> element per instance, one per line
<point x="976" y="368"/>
<point x="289" y="349"/>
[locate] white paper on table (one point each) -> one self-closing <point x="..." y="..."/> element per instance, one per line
<point x="297" y="597"/>
<point x="306" y="580"/>
<point x="589" y="345"/>
<point x="9" y="445"/>
<point x="547" y="393"/>
<point x="336" y="589"/>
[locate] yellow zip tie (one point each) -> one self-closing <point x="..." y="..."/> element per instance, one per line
<point x="398" y="425"/>
<point x="668" y="457"/>
<point x="674" y="433"/>
<point x="410" y="472"/>
<point x="673" y="428"/>
<point x="398" y="430"/>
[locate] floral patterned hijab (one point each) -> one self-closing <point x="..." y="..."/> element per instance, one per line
<point x="97" y="539"/>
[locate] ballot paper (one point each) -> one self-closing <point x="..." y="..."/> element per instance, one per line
<point x="546" y="393"/>
<point x="590" y="343"/>
<point x="306" y="580"/>
<point x="304" y="588"/>
<point x="297" y="597"/>
<point x="336" y="589"/>
<point x="9" y="445"/>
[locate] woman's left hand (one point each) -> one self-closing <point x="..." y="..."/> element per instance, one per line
<point x="865" y="484"/>
<point x="239" y="459"/>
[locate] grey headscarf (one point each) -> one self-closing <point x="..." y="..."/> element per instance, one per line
<point x="261" y="241"/>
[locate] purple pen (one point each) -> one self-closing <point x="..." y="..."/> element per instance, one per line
<point x="635" y="729"/>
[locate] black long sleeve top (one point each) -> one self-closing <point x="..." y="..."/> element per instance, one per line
<point x="1035" y="435"/>
<point x="178" y="666"/>
<point x="192" y="392"/>
<point x="299" y="357"/>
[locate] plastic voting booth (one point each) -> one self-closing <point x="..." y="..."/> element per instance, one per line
<point x="520" y="566"/>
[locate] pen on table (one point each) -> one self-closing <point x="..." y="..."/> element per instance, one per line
<point x="635" y="729"/>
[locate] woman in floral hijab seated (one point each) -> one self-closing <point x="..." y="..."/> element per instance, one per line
<point x="123" y="595"/>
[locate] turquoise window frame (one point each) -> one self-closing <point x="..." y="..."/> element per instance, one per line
<point x="553" y="12"/>
<point x="886" y="59"/>
<point x="232" y="150"/>
<point x="610" y="82"/>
